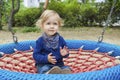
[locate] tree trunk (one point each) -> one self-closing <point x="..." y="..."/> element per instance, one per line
<point x="13" y="12"/>
<point x="1" y="5"/>
<point x="0" y="20"/>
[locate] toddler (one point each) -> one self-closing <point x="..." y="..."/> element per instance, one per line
<point x="50" y="48"/>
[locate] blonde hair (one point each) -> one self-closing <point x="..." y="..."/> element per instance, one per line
<point x="46" y="14"/>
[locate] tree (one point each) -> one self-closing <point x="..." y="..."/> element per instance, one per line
<point x="88" y="13"/>
<point x="1" y="8"/>
<point x="14" y="10"/>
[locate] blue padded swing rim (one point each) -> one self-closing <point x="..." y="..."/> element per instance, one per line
<point x="72" y="44"/>
<point x="106" y="74"/>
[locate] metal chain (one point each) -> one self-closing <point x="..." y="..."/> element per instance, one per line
<point x="15" y="39"/>
<point x="100" y="38"/>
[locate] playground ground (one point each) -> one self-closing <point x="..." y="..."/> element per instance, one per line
<point x="112" y="35"/>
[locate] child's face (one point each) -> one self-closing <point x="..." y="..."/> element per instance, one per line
<point x="51" y="25"/>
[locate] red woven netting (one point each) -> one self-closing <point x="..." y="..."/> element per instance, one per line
<point x="18" y="61"/>
<point x="89" y="60"/>
<point x="78" y="60"/>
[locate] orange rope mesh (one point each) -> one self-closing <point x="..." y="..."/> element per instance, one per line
<point x="89" y="60"/>
<point x="79" y="61"/>
<point x="18" y="61"/>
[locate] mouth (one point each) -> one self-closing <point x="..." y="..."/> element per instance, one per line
<point x="51" y="30"/>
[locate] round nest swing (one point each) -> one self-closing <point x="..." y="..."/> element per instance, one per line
<point x="89" y="60"/>
<point x="20" y="66"/>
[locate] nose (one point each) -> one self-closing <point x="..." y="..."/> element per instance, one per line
<point x="51" y="26"/>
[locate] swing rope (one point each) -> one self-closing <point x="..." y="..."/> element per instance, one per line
<point x="100" y="38"/>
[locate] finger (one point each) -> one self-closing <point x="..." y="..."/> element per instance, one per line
<point x="60" y="48"/>
<point x="65" y="47"/>
<point x="53" y="57"/>
<point x="50" y="54"/>
<point x="54" y="61"/>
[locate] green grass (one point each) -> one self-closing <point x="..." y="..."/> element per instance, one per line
<point x="23" y="29"/>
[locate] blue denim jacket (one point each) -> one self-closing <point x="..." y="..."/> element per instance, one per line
<point x="41" y="52"/>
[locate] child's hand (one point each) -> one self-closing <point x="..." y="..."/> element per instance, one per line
<point x="51" y="58"/>
<point x="64" y="51"/>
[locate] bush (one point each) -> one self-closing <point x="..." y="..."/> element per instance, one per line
<point x="72" y="13"/>
<point x="27" y="17"/>
<point x="57" y="6"/>
<point x="69" y="10"/>
<point x="30" y="29"/>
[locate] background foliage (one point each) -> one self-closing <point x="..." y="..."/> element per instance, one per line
<point x="75" y="14"/>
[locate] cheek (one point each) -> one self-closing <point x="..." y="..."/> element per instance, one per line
<point x="45" y="29"/>
<point x="57" y="27"/>
<point x="45" y="26"/>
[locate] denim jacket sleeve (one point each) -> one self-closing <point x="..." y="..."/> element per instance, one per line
<point x="38" y="57"/>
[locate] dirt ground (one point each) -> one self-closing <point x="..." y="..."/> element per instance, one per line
<point x="111" y="35"/>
